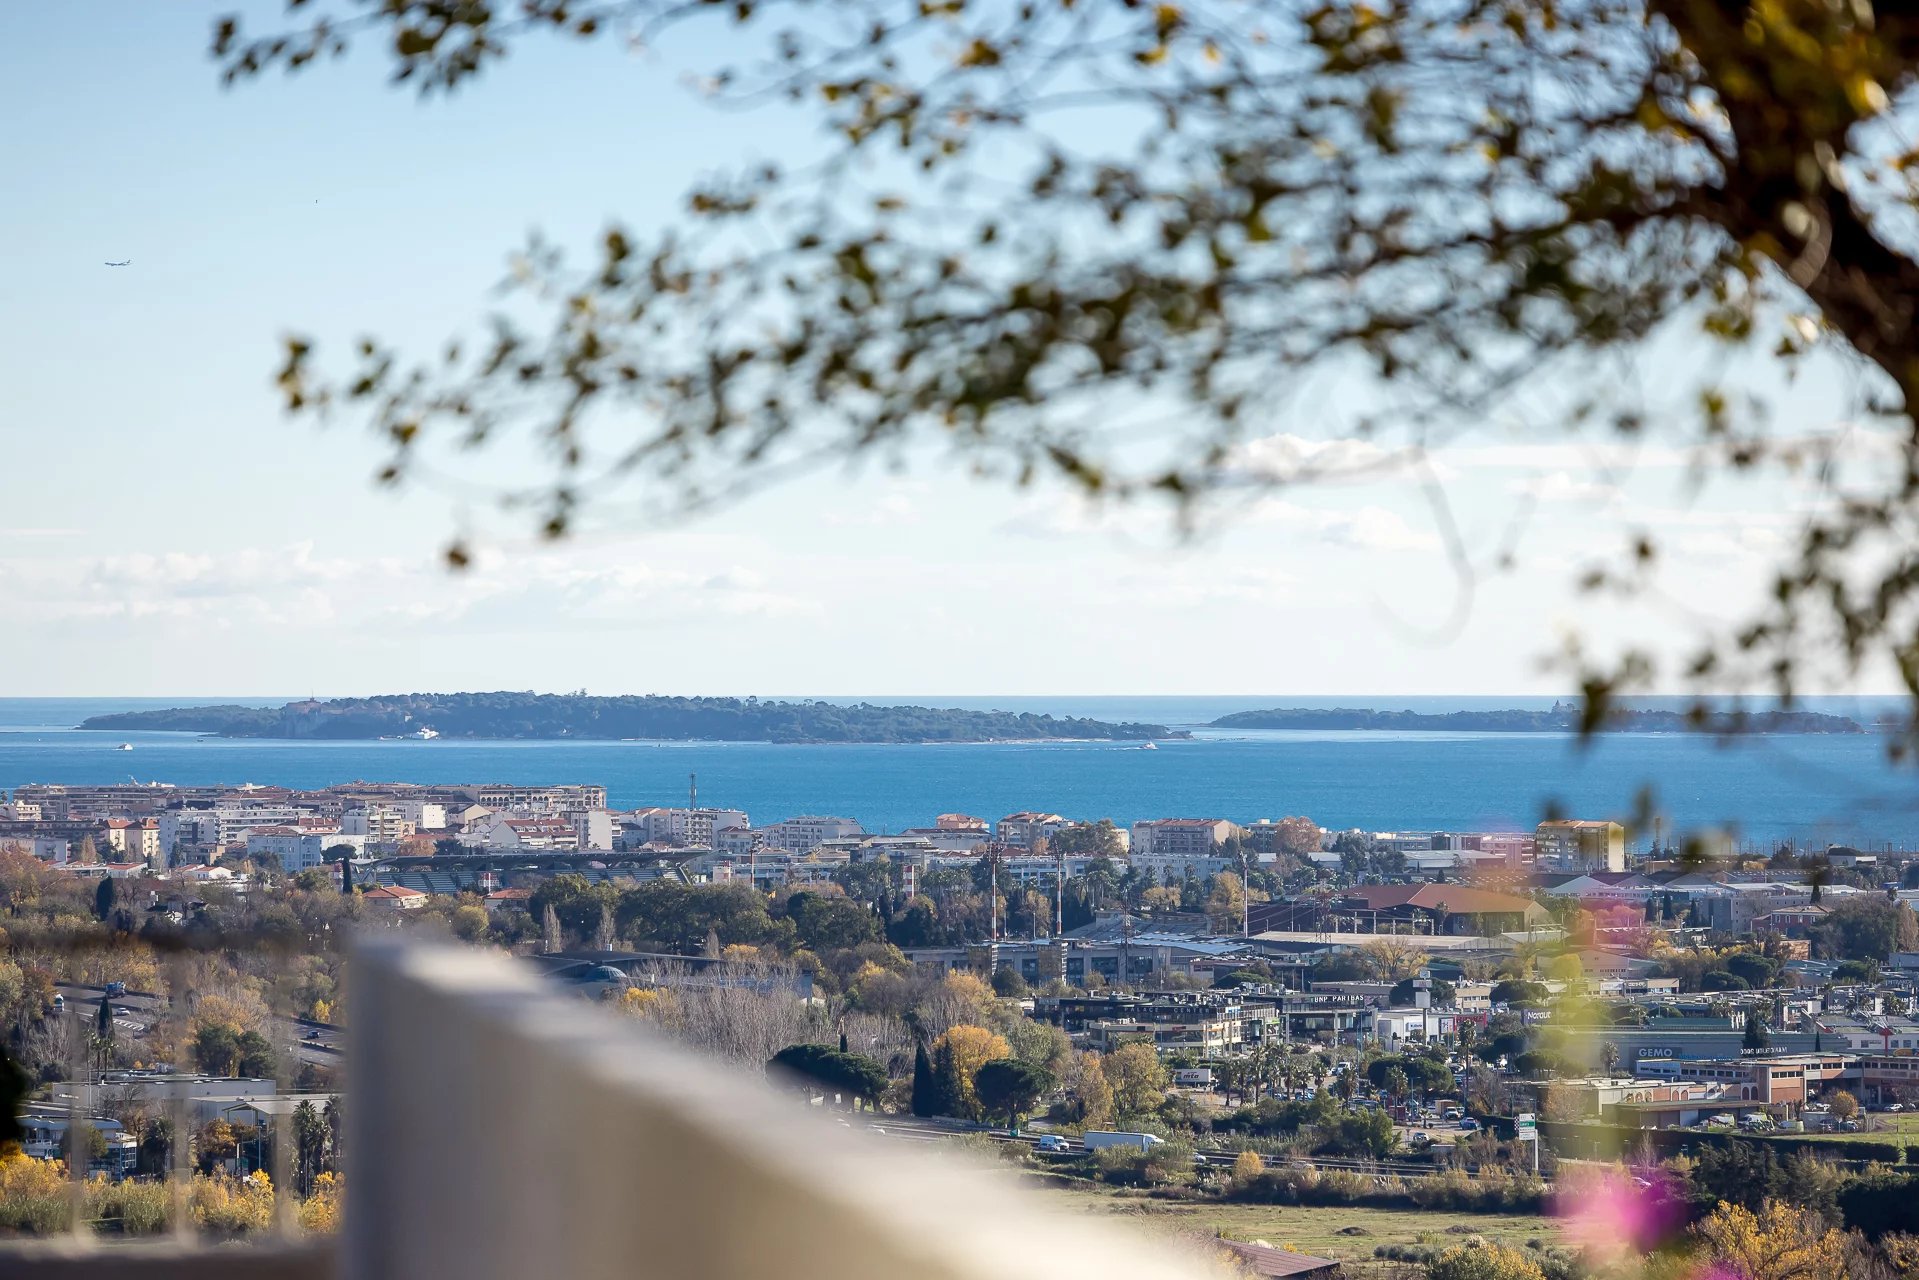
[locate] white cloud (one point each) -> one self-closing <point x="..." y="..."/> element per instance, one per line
<point x="1287" y="457"/>
<point x="1564" y="487"/>
<point x="294" y="588"/>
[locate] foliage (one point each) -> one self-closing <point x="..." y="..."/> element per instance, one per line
<point x="1384" y="192"/>
<point x="959" y="1053"/>
<point x="1009" y="1088"/>
<point x="1483" y="1261"/>
<point x="1844" y="1105"/>
<point x="1864" y="927"/>
<point x="1138" y="1077"/>
<point x="1779" y="1242"/>
<point x="857" y="1077"/>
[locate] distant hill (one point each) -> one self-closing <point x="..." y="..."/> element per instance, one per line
<point x="1561" y="719"/>
<point x="531" y="715"/>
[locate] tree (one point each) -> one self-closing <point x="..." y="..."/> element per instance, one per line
<point x="216" y="1050"/>
<point x="105" y="899"/>
<point x="1483" y="1260"/>
<point x="1089" y="1093"/>
<point x="1395" y="1084"/>
<point x="926" y="1099"/>
<point x="1780" y="1242"/>
<point x="1757" y="1038"/>
<point x="1867" y="928"/>
<point x="1296" y="195"/>
<point x="1390" y="959"/>
<point x="1008" y="983"/>
<point x="1009" y="1088"/>
<point x="963" y="1050"/>
<point x="1138" y="1078"/>
<point x="1844" y="1105"/>
<point x="854" y="1076"/>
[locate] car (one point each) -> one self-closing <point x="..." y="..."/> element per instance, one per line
<point x="1897" y="1106"/>
<point x="121" y="1011"/>
<point x="1467" y="1124"/>
<point x="59" y="1003"/>
<point x="313" y="1034"/>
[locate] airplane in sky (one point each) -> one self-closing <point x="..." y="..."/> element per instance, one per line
<point x="127" y="263"/>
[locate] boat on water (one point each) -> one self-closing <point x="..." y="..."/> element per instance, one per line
<point x="424" y="734"/>
<point x="1146" y="746"/>
<point x="125" y="746"/>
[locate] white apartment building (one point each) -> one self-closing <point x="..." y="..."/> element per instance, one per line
<point x="1022" y="830"/>
<point x="566" y="799"/>
<point x="695" y="827"/>
<point x="379" y="823"/>
<point x="804" y="834"/>
<point x="224" y="825"/>
<point x="593" y="829"/>
<point x="1167" y="868"/>
<point x="1189" y="837"/>
<point x="300" y="849"/>
<point x="542" y="832"/>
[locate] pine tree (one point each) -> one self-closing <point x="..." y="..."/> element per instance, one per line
<point x="925" y="1088"/>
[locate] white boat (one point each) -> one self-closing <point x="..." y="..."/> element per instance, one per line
<point x="126" y="746"/>
<point x="424" y="734"/>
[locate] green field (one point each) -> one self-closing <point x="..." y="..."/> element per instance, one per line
<point x="1317" y="1230"/>
<point x="1901" y="1129"/>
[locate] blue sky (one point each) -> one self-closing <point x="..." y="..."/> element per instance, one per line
<point x="164" y="530"/>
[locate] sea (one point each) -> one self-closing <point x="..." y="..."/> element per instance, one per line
<point x="1761" y="790"/>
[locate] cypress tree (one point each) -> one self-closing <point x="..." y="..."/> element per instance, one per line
<point x="104" y="899"/>
<point x="925" y="1089"/>
<point x="949" y="1092"/>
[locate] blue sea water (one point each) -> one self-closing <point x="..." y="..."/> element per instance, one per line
<point x="1805" y="788"/>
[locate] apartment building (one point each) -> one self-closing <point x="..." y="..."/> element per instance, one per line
<point x="1025" y="829"/>
<point x="804" y="834"/>
<point x="379" y="823"/>
<point x="543" y="833"/>
<point x="593" y="829"/>
<point x="563" y="799"/>
<point x="1580" y="845"/>
<point x="694" y="827"/>
<point x="1180" y="837"/>
<point x="301" y="849"/>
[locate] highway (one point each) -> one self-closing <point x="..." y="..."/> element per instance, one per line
<point x="144" y="1009"/>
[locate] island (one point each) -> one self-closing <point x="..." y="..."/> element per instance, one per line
<point x="1562" y="718"/>
<point x="640" y="718"/>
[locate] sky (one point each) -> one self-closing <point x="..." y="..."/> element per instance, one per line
<point x="166" y="530"/>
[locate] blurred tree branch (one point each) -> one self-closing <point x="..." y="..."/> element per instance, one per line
<point x="1454" y="196"/>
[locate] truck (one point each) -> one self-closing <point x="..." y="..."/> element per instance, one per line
<point x="1101" y="1140"/>
<point x="1194" y="1077"/>
<point x="116" y="989"/>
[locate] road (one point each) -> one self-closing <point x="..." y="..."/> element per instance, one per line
<point x="144" y="1009"/>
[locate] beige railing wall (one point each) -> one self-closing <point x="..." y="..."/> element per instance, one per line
<point x="500" y="1130"/>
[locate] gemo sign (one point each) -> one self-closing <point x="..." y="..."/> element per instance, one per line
<point x="1656" y="1052"/>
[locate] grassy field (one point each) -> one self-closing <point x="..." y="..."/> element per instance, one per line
<point x="1325" y="1232"/>
<point x="1902" y="1129"/>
